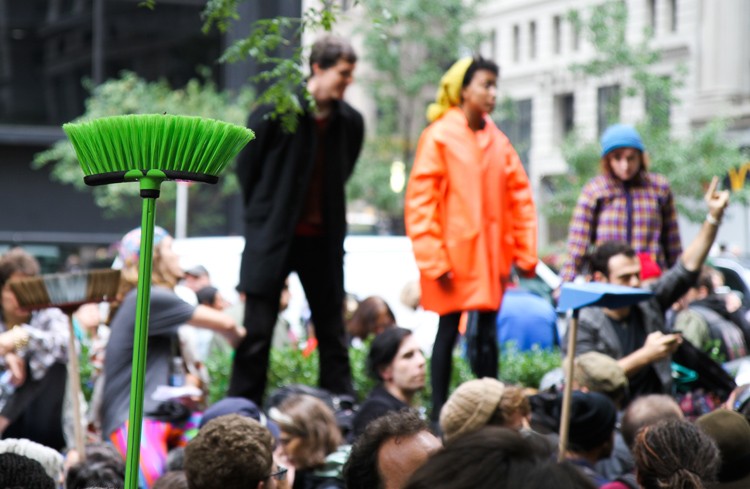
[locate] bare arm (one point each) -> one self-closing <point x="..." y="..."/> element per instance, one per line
<point x="209" y="318"/>
<point x="696" y="252"/>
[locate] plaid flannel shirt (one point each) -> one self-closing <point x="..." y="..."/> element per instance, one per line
<point x="601" y="214"/>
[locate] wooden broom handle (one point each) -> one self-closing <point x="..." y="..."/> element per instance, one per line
<point x="74" y="379"/>
<point x="568" y="390"/>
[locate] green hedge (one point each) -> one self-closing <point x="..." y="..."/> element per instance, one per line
<point x="290" y="366"/>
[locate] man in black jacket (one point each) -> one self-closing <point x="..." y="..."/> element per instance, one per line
<point x="295" y="219"/>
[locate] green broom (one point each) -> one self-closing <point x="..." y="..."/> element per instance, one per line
<point x="68" y="292"/>
<point x="150" y="149"/>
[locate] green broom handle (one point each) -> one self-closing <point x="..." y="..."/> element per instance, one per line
<point x="150" y="192"/>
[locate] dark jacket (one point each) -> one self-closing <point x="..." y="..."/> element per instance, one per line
<point x="378" y="403"/>
<point x="596" y="331"/>
<point x="274" y="172"/>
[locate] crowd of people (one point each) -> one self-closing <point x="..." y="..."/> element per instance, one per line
<point x="471" y="218"/>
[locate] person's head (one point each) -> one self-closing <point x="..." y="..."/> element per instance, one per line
<point x="597" y="372"/>
<point x="675" y="454"/>
<point x="16" y="263"/>
<point x="211" y="297"/>
<point x="231" y="452"/>
<point x="482" y="402"/>
<point x="396" y="360"/>
<point x="197" y="277"/>
<point x="470" y="83"/>
<point x="616" y="262"/>
<point x="372" y="316"/>
<point x="332" y="63"/>
<point x="308" y="430"/>
<point x="17" y="471"/>
<point x="103" y="466"/>
<point x="175" y="479"/>
<point x="623" y="153"/>
<point x="479" y="86"/>
<point x="89" y="316"/>
<point x="243" y="407"/>
<point x="703" y="286"/>
<point x="50" y="459"/>
<point x="646" y="411"/>
<point x="390" y="449"/>
<point x="592" y="425"/>
<point x="493" y="457"/>
<point x="99" y="473"/>
<point x="731" y="432"/>
<point x="166" y="270"/>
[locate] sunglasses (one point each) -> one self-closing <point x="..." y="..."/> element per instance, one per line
<point x="280" y="474"/>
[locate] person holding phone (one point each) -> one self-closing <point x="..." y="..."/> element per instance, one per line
<point x="638" y="336"/>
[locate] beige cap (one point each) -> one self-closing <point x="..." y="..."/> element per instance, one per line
<point x="470" y="407"/>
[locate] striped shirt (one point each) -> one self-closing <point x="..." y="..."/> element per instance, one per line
<point x="641" y="213"/>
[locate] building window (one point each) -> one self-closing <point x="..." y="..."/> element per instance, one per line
<point x="564" y="116"/>
<point x="673" y="15"/>
<point x="532" y="40"/>
<point x="516" y="43"/>
<point x="556" y="34"/>
<point x="608" y="107"/>
<point x="516" y="124"/>
<point x="492" y="41"/>
<point x="575" y="36"/>
<point x="652" y="15"/>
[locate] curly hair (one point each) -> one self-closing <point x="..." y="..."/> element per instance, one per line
<point x="231" y="452"/>
<point x="675" y="454"/>
<point x="17" y="260"/>
<point x="494" y="457"/>
<point x="310" y="419"/>
<point x="361" y="470"/>
<point x="512" y="402"/>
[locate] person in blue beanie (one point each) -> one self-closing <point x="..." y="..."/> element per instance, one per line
<point x="626" y="203"/>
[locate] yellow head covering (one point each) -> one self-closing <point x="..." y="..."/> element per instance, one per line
<point x="449" y="91"/>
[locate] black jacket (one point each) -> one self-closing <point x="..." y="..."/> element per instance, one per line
<point x="274" y="172"/>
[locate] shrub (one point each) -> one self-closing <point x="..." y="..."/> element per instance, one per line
<point x="290" y="366"/>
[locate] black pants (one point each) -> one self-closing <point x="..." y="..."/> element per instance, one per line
<point x="322" y="278"/>
<point x="442" y="354"/>
<point x="35" y="409"/>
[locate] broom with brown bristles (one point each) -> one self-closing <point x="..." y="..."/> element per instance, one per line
<point x="149" y="149"/>
<point x="68" y="292"/>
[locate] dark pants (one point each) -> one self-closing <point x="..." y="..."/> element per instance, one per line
<point x="35" y="409"/>
<point x="322" y="277"/>
<point x="442" y="354"/>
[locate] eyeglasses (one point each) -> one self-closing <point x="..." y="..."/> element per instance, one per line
<point x="280" y="474"/>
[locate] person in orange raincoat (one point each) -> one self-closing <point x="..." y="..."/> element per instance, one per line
<point x="470" y="215"/>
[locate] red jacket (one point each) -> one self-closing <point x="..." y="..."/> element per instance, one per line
<point x="468" y="210"/>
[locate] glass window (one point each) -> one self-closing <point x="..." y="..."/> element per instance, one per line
<point x="556" y="34"/>
<point x="608" y="107"/>
<point x="564" y="116"/>
<point x="516" y="124"/>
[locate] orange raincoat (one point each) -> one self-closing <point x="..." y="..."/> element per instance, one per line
<point x="468" y="210"/>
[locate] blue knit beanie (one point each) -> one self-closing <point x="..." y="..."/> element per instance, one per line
<point x="621" y="136"/>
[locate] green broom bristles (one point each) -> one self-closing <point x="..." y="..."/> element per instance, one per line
<point x="155" y="141"/>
